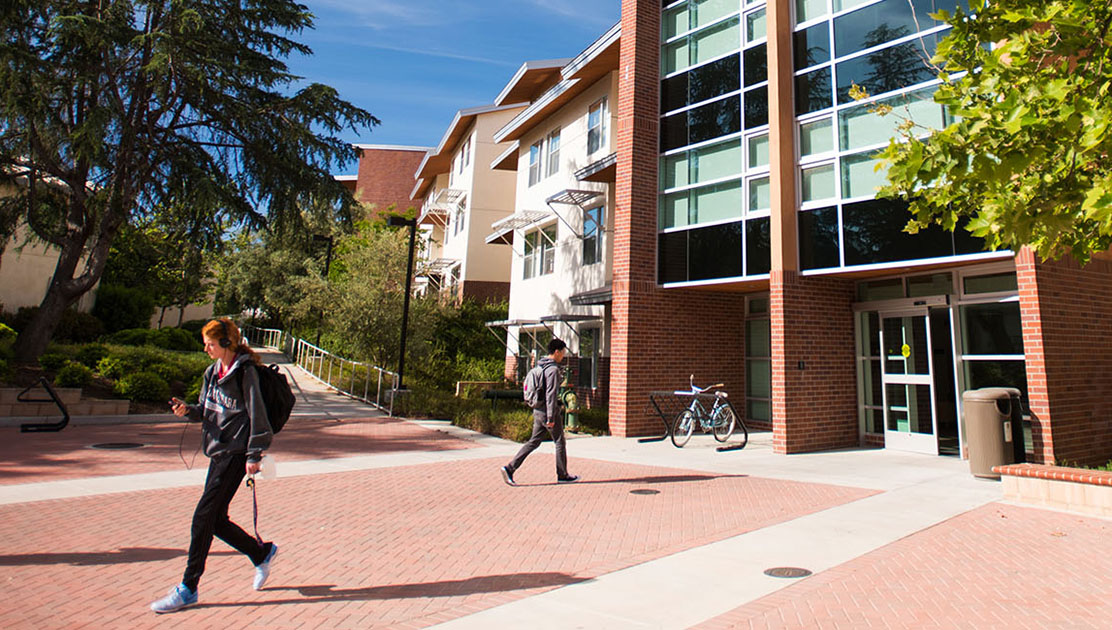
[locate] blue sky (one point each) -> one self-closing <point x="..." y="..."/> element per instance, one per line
<point x="414" y="63"/>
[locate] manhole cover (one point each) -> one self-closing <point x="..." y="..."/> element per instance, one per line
<point x="644" y="491"/>
<point x="116" y="446"/>
<point x="787" y="572"/>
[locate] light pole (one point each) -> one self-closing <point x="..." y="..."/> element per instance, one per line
<point x="398" y="221"/>
<point x="327" y="263"/>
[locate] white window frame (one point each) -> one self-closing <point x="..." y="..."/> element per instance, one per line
<point x="552" y="155"/>
<point x="535" y="151"/>
<point x="599" y="130"/>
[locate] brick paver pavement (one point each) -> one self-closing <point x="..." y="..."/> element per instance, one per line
<point x="401" y="547"/>
<point x="28" y="457"/>
<point x="1000" y="566"/>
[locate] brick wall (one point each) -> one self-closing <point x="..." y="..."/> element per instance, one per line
<point x="813" y="407"/>
<point x="485" y="291"/>
<point x="385" y="178"/>
<point x="1067" y="337"/>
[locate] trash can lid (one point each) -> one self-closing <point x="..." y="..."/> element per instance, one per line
<point x="989" y="394"/>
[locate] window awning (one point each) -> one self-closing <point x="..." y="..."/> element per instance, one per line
<point x="504" y="228"/>
<point x="438" y="265"/>
<point x="594" y="297"/>
<point x="579" y="199"/>
<point x="442" y="205"/>
<point x="604" y="171"/>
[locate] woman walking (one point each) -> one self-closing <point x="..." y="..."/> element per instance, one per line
<point x="236" y="432"/>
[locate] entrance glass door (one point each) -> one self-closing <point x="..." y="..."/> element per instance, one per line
<point x="908" y="385"/>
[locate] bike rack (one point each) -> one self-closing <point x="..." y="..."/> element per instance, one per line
<point x="668" y="404"/>
<point x="42" y="427"/>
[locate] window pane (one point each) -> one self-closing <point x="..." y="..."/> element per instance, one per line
<point x="818" y="238"/>
<point x="674" y="210"/>
<point x="718" y="161"/>
<point x="713" y="120"/>
<point x="714" y="252"/>
<point x="757" y="340"/>
<point x="758" y="410"/>
<point x="758" y="306"/>
<point x="818" y="183"/>
<point x="994" y="283"/>
<point x="760" y="189"/>
<point x="707" y="11"/>
<point x="675" y="56"/>
<point x="718" y="202"/>
<point x="673" y="170"/>
<point x="758" y="381"/>
<point x="758" y="151"/>
<point x="884" y="22"/>
<point x="847" y="4"/>
<point x="934" y="284"/>
<point x="991" y="329"/>
<point x="675" y="21"/>
<point x="809" y="9"/>
<point x="811" y="46"/>
<point x="888" y="69"/>
<point x="812" y="92"/>
<point x="714" y="79"/>
<point x="672" y="264"/>
<point x="756" y="65"/>
<point x="860" y="178"/>
<point x="756" y="107"/>
<point x="715" y="41"/>
<point x="816" y="137"/>
<point x="858" y="127"/>
<point x="872" y="232"/>
<point x="890" y="289"/>
<point x="756" y="25"/>
<point x="980" y="374"/>
<point x="673" y="131"/>
<point x="758" y="247"/>
<point x="673" y="92"/>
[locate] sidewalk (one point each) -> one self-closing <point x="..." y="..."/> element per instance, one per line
<point x="384" y="523"/>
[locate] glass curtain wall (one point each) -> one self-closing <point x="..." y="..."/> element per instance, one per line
<point x="883" y="47"/>
<point x="713" y="219"/>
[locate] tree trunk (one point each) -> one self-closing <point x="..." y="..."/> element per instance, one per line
<point x="161" y="316"/>
<point x="32" y="341"/>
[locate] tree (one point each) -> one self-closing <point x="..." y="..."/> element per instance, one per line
<point x="1028" y="160"/>
<point x="120" y="110"/>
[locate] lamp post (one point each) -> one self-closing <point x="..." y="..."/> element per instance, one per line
<point x="327" y="263"/>
<point x="398" y="221"/>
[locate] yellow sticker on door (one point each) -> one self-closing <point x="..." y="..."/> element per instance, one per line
<point x="905" y="351"/>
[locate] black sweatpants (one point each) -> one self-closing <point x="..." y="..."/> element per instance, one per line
<point x="211" y="518"/>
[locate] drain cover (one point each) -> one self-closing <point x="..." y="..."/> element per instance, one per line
<point x="644" y="491"/>
<point x="787" y="572"/>
<point x="116" y="446"/>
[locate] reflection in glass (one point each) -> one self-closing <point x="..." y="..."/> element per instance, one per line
<point x="909" y="408"/>
<point x="812" y="91"/>
<point x="991" y="329"/>
<point x="892" y="68"/>
<point x="815" y="137"/>
<point x="715" y="119"/>
<point x="818" y="238"/>
<point x="859" y="127"/>
<point x="758" y="248"/>
<point x="700" y="84"/>
<point x="714" y="252"/>
<point x="672" y="261"/>
<point x="756" y="24"/>
<point x="872" y="232"/>
<point x="756" y="107"/>
<point x="760" y="189"/>
<point x="980" y="374"/>
<point x="994" y="283"/>
<point x="885" y="21"/>
<point x="811" y="46"/>
<point x="756" y="65"/>
<point x="934" y="284"/>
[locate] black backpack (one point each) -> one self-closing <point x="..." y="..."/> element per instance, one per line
<point x="278" y="398"/>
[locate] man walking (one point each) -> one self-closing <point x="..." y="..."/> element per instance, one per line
<point x="546" y="417"/>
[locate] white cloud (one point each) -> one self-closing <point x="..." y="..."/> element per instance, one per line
<point x="583" y="11"/>
<point x="381" y="14"/>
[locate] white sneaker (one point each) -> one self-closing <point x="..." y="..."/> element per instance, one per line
<point x="262" y="570"/>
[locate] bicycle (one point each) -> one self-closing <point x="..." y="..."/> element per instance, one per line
<point x="721" y="420"/>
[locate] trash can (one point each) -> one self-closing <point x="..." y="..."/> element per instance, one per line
<point x="993" y="421"/>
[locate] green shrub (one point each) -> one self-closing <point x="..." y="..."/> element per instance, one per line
<point x="7" y="338"/>
<point x="121" y="308"/>
<point x="110" y="367"/>
<point x="426" y="402"/>
<point x="169" y="372"/>
<point x="174" y="339"/>
<point x="193" y="393"/>
<point x="73" y="326"/>
<point x="73" y="374"/>
<point x="479" y="369"/>
<point x="594" y="421"/>
<point x="145" y="386"/>
<point x="194" y="326"/>
<point x="90" y="355"/>
<point x="53" y="361"/>
<point x="130" y="337"/>
<point x="506" y="420"/>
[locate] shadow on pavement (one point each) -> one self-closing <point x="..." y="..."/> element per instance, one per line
<point x="447" y="588"/>
<point x="124" y="555"/>
<point x="641" y="480"/>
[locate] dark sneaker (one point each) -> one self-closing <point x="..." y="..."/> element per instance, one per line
<point x="568" y="479"/>
<point x="179" y="597"/>
<point x="508" y="476"/>
<point x="262" y="570"/>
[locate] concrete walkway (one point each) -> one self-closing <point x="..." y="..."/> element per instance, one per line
<point x="389" y="523"/>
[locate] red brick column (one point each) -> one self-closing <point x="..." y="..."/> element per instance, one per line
<point x="658" y="337"/>
<point x="1067" y="336"/>
<point x="814" y="395"/>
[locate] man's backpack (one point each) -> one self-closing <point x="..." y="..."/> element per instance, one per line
<point x="534" y="390"/>
<point x="277" y="396"/>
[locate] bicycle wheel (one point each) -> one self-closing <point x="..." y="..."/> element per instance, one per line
<point x="683" y="427"/>
<point x="723" y="422"/>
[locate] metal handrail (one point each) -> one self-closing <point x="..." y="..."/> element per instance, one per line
<point x="311" y="359"/>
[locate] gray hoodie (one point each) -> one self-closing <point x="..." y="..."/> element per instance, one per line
<point x="235" y="421"/>
<point x="551" y="371"/>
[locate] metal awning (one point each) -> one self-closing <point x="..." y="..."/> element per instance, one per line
<point x="577" y="198"/>
<point x="438" y="265"/>
<point x="504" y="229"/>
<point x="569" y="318"/>
<point x="446" y="201"/>
<point x="604" y="171"/>
<point x="507" y="324"/>
<point x="594" y="297"/>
